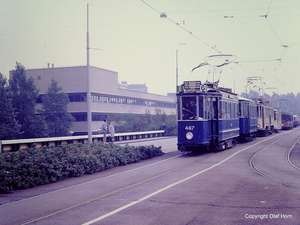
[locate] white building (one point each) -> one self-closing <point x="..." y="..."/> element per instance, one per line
<point x="107" y="97"/>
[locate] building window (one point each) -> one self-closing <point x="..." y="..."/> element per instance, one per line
<point x="98" y="117"/>
<point x="79" y="116"/>
<point x="120" y="100"/>
<point x="77" y="97"/>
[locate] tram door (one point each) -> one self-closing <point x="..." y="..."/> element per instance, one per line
<point x="212" y="108"/>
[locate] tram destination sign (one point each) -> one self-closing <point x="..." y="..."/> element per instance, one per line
<point x="192" y="85"/>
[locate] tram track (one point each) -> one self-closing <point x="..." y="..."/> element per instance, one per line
<point x="287" y="159"/>
<point x="163" y="174"/>
<point x="288" y="155"/>
<point x="87" y="201"/>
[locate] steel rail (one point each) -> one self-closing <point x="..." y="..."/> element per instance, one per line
<point x="252" y="165"/>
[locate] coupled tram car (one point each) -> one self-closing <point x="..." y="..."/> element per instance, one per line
<point x="287" y="121"/>
<point x="214" y="118"/>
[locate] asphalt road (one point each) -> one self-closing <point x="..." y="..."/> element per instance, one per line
<point x="253" y="183"/>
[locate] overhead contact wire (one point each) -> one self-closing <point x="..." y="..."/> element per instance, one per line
<point x="186" y="30"/>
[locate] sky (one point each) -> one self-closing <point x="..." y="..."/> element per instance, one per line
<point x="260" y="38"/>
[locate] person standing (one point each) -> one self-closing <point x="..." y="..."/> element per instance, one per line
<point x="104" y="130"/>
<point x="192" y="110"/>
<point x="164" y="127"/>
<point x="111" y="130"/>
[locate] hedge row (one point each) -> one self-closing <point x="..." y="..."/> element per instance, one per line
<point x="38" y="166"/>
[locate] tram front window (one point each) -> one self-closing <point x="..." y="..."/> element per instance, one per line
<point x="189" y="108"/>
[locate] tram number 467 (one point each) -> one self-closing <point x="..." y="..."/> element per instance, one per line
<point x="189" y="127"/>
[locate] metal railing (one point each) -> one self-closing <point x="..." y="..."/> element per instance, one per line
<point x="15" y="145"/>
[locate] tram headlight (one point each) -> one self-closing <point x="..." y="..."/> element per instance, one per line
<point x="189" y="135"/>
<point x="258" y="126"/>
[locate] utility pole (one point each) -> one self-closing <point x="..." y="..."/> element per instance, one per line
<point x="176" y="70"/>
<point x="88" y="96"/>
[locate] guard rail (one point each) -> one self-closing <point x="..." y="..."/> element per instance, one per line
<point x="15" y="145"/>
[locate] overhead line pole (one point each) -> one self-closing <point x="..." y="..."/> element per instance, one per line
<point x="88" y="96"/>
<point x="176" y="70"/>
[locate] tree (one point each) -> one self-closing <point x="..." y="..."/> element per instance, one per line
<point x="9" y="127"/>
<point x="24" y="96"/>
<point x="55" y="111"/>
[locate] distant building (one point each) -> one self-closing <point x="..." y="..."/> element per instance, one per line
<point x="172" y="95"/>
<point x="108" y="97"/>
<point x="133" y="87"/>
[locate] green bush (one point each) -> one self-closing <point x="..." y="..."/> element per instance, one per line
<point x="38" y="166"/>
<point x="146" y="122"/>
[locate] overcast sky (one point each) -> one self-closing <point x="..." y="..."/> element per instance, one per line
<point x="131" y="38"/>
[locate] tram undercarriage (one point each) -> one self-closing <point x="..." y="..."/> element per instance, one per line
<point x="220" y="146"/>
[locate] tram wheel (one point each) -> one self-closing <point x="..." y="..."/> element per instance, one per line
<point x="224" y="146"/>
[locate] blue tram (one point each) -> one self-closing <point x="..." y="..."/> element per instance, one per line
<point x="287" y="121"/>
<point x="207" y="117"/>
<point x="248" y="119"/>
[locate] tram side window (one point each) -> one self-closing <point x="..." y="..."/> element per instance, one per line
<point x="236" y="110"/>
<point x="246" y="109"/>
<point x="189" y="108"/>
<point x="243" y="109"/>
<point x="179" y="115"/>
<point x="210" y="108"/>
<point x="222" y="110"/>
<point x="232" y="112"/>
<point x="249" y="109"/>
<point x="241" y="104"/>
<point x="254" y="111"/>
<point x="227" y="110"/>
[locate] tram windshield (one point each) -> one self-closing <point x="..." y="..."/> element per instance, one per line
<point x="286" y="117"/>
<point x="190" y="108"/>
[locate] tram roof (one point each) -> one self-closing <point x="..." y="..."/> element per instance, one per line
<point x="196" y="87"/>
<point x="245" y="99"/>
